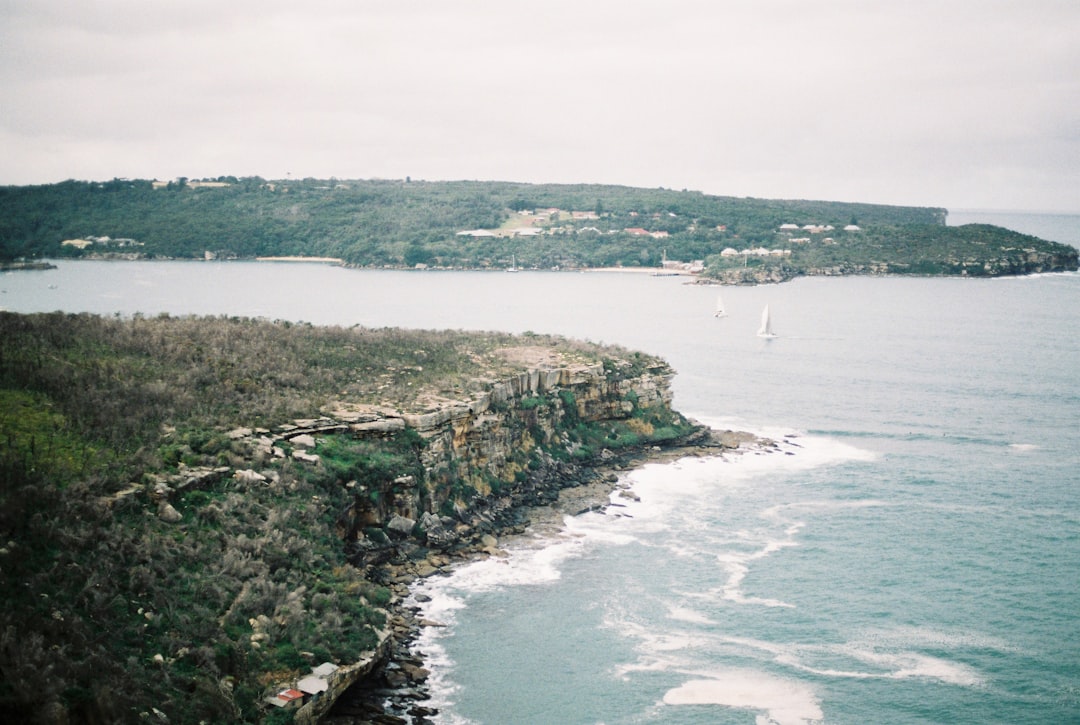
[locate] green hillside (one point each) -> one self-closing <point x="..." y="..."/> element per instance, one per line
<point x="477" y="225"/>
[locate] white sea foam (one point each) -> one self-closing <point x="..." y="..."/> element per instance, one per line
<point x="908" y="637"/>
<point x="666" y="492"/>
<point x="736" y="569"/>
<point x="440" y="608"/>
<point x="1024" y="447"/>
<point x="778" y="700"/>
<point x="521" y="566"/>
<point x="861" y="660"/>
<point x="684" y="614"/>
<point x="698" y="475"/>
<point x="894" y="658"/>
<point x="598" y="528"/>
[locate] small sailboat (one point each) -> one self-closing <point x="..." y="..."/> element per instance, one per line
<point x="720" y="310"/>
<point x="766" y="325"/>
<point x="513" y="264"/>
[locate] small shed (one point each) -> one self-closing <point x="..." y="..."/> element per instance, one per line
<point x="325" y="670"/>
<point x="287" y="698"/>
<point x="313" y="685"/>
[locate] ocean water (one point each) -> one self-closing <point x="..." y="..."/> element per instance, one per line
<point x="911" y="554"/>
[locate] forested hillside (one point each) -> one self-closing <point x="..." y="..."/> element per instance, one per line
<point x="480" y="225"/>
<point x="404" y="222"/>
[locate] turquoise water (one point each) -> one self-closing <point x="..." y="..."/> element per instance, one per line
<point x="912" y="555"/>
<point x="916" y="559"/>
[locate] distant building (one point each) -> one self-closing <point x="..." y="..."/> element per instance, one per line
<point x="325" y="669"/>
<point x="287" y="698"/>
<point x="313" y="685"/>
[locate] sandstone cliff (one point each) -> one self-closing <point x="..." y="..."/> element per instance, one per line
<point x="515" y="443"/>
<point x="500" y="448"/>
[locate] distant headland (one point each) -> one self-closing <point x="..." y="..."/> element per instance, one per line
<point x="476" y="225"/>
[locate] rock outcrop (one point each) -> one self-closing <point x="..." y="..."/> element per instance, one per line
<point x="486" y="454"/>
<point x="479" y="462"/>
<point x="1006" y="263"/>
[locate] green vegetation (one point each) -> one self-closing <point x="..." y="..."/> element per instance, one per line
<point x="650" y="425"/>
<point x="973" y="249"/>
<point x="409" y="223"/>
<point x="109" y="608"/>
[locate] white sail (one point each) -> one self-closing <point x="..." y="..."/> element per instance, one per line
<point x="766" y="324"/>
<point x="720" y="311"/>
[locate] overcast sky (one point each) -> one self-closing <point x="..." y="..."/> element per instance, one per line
<point x="962" y="104"/>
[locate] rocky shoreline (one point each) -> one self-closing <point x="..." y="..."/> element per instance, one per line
<point x="396" y="692"/>
<point x="25" y="266"/>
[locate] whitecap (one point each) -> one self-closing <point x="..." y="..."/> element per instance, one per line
<point x="1024" y="447"/>
<point x="779" y="701"/>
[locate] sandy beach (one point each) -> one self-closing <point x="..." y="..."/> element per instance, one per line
<point x="324" y="260"/>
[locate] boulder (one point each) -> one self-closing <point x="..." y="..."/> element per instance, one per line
<point x="249" y="476"/>
<point x="168" y="514"/>
<point x="400" y="525"/>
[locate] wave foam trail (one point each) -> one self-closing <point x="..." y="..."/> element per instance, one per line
<point x="736" y="568"/>
<point x="782" y="701"/>
<point x="857" y="660"/>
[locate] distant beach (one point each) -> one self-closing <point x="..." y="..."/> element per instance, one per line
<point x="325" y="260"/>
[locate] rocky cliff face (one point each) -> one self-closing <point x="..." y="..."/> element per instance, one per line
<point x="518" y="442"/>
<point x="506" y="446"/>
<point x="476" y="461"/>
